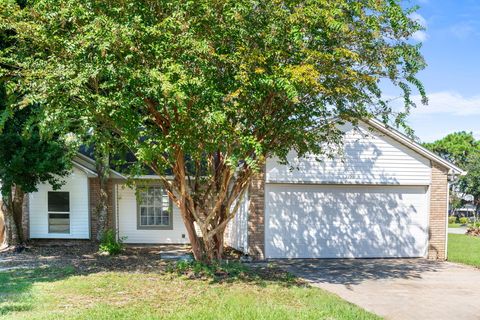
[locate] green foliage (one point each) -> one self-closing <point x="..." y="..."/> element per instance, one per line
<point x="463" y="220"/>
<point x="249" y="79"/>
<point x="110" y="244"/>
<point x="26" y="157"/>
<point x="207" y="90"/>
<point x="455" y="147"/>
<point x="462" y="149"/>
<point x="452" y="219"/>
<point x="214" y="270"/>
<point x="470" y="183"/>
<point x="474" y="225"/>
<point x="231" y="271"/>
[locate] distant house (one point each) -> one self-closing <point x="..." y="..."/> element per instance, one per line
<point x="468" y="210"/>
<point x="387" y="197"/>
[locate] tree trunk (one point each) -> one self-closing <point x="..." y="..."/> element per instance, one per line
<point x="209" y="246"/>
<point x="210" y="201"/>
<point x="12" y="213"/>
<point x="102" y="166"/>
<point x="18" y="214"/>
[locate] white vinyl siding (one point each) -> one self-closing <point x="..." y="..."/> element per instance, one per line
<point x="236" y="234"/>
<point x="369" y="158"/>
<point x="76" y="184"/>
<point x="333" y="221"/>
<point x="128" y="227"/>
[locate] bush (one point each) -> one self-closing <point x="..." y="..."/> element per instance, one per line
<point x="452" y="219"/>
<point x="475" y="224"/>
<point x="217" y="270"/>
<point x="464" y="220"/>
<point x="109" y="243"/>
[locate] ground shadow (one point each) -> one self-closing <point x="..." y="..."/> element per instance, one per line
<point x="355" y="271"/>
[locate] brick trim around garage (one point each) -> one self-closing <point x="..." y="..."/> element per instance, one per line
<point x="437" y="233"/>
<point x="256" y="217"/>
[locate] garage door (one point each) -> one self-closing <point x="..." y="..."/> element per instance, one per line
<point x="324" y="221"/>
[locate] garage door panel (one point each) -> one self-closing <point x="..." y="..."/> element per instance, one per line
<point x="307" y="221"/>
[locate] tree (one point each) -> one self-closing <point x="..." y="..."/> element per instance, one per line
<point x="455" y="147"/>
<point x="207" y="90"/>
<point x="470" y="183"/>
<point x="462" y="149"/>
<point x="26" y="159"/>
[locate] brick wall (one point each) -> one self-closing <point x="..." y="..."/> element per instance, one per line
<point x="438" y="213"/>
<point x="94" y="194"/>
<point x="256" y="217"/>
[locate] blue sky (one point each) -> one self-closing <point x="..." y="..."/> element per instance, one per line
<point x="451" y="47"/>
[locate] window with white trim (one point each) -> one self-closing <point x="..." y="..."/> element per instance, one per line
<point x="58" y="212"/>
<point x="154" y="208"/>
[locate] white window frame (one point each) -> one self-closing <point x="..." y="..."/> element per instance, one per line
<point x="141" y="193"/>
<point x="59" y="212"/>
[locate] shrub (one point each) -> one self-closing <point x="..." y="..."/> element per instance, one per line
<point x="475" y="224"/>
<point x="452" y="219"/>
<point x="109" y="243"/>
<point x="217" y="270"/>
<point x="463" y="220"/>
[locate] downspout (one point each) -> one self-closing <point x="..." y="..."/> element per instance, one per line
<point x="446" y="222"/>
<point x="116" y="213"/>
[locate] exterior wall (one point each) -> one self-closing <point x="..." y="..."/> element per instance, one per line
<point x="77" y="185"/>
<point x="438" y="213"/>
<point x="127" y="222"/>
<point x="256" y="217"/>
<point x="369" y="158"/>
<point x="236" y="234"/>
<point x="94" y="195"/>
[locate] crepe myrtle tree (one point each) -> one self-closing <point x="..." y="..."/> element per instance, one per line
<point x="204" y="91"/>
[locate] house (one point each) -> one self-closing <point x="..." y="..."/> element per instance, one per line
<point x="386" y="197"/>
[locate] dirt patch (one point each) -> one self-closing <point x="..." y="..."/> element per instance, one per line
<point x="86" y="258"/>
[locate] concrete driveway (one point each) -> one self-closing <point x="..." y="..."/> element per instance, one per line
<point x="397" y="288"/>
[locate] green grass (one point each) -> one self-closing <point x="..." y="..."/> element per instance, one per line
<point x="464" y="249"/>
<point x="454" y="225"/>
<point x="60" y="294"/>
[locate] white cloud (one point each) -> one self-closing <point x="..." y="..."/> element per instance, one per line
<point x="420" y="35"/>
<point x="447" y="102"/>
<point x="462" y="30"/>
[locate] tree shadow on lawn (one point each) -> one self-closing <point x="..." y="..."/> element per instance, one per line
<point x="231" y="272"/>
<point x="16" y="285"/>
<point x="20" y="272"/>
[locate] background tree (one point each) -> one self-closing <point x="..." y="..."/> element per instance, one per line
<point x="207" y="90"/>
<point x="470" y="183"/>
<point x="462" y="149"/>
<point x="455" y="147"/>
<point x="26" y="159"/>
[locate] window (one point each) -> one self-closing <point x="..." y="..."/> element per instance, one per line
<point x="58" y="212"/>
<point x="154" y="209"/>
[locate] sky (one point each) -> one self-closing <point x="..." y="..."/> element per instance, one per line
<point x="451" y="47"/>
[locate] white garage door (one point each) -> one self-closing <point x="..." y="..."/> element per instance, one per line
<point x="325" y="221"/>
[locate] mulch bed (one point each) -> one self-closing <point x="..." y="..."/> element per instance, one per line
<point x="473" y="232"/>
<point x="84" y="259"/>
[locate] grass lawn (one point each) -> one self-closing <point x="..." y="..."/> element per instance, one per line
<point x="58" y="293"/>
<point x="454" y="225"/>
<point x="464" y="249"/>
